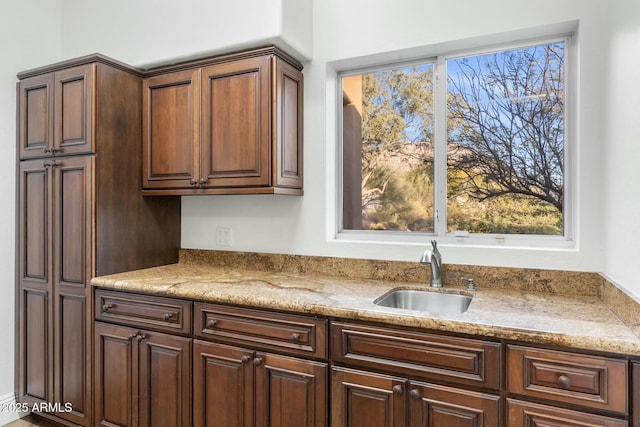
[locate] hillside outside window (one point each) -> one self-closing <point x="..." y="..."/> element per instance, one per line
<point x="460" y="145"/>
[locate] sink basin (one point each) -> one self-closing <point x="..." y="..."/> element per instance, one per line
<point x="433" y="302"/>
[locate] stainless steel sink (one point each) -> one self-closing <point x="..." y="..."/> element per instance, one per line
<point x="433" y="302"/>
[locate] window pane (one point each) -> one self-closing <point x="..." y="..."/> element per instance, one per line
<point x="505" y="142"/>
<point x="388" y="150"/>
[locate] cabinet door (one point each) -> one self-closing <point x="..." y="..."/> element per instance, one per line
<point x="635" y="394"/>
<point x="236" y="136"/>
<point x="74" y="110"/>
<point x="290" y="392"/>
<point x="115" y="375"/>
<point x="165" y="380"/>
<point x="35" y="116"/>
<point x="289" y="95"/>
<point x="366" y="399"/>
<point x="171" y="130"/>
<point x="35" y="373"/>
<point x="222" y="385"/>
<point x="525" y="414"/>
<point x="433" y="405"/>
<point x="72" y="237"/>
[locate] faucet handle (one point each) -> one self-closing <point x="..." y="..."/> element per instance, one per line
<point x="470" y="285"/>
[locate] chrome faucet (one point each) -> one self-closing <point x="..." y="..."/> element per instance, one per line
<point x="432" y="257"/>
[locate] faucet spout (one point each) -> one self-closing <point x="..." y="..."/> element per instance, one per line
<point x="434" y="259"/>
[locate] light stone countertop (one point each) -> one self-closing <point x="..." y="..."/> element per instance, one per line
<point x="582" y="322"/>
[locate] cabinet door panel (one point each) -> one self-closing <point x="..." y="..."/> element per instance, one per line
<point x="289" y="125"/>
<point x="171" y="129"/>
<point x="635" y="393"/>
<point x="72" y="221"/>
<point x="36" y="103"/>
<point x="525" y="414"/>
<point x="71" y="376"/>
<point x="235" y="126"/>
<point x="34" y="376"/>
<point x="33" y="223"/>
<point x="365" y="399"/>
<point x="433" y="405"/>
<point x="74" y="109"/>
<point x="116" y="376"/>
<point x="222" y="385"/>
<point x="165" y="380"/>
<point x="290" y="392"/>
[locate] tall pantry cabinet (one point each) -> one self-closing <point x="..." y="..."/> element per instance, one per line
<point x="80" y="213"/>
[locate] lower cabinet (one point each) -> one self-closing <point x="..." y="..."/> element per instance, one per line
<point x="367" y="399"/>
<point x="171" y="362"/>
<point x="141" y="378"/>
<point x="235" y="386"/>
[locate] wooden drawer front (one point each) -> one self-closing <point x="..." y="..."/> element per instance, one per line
<point x="525" y="414"/>
<point x="589" y="381"/>
<point x="418" y="355"/>
<point x="144" y="311"/>
<point x="258" y="329"/>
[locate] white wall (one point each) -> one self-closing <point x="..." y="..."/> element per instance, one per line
<point x="365" y="28"/>
<point x="29" y="37"/>
<point x="146" y="32"/>
<point x="621" y="146"/>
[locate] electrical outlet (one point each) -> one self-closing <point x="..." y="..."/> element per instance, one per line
<point x="223" y="236"/>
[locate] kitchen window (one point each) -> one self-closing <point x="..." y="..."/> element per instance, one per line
<point x="470" y="145"/>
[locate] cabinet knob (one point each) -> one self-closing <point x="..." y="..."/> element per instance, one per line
<point x="397" y="389"/>
<point x="131" y="336"/>
<point x="51" y="150"/>
<point x="50" y="163"/>
<point x="141" y="337"/>
<point x="295" y="337"/>
<point x="167" y="317"/>
<point x="414" y="394"/>
<point x="564" y="382"/>
<point x="203" y="181"/>
<point x="258" y="361"/>
<point x="107" y="307"/>
<point x="211" y="323"/>
<point x="193" y="181"/>
<point x="245" y="358"/>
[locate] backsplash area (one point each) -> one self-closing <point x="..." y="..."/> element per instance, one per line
<point x="624" y="305"/>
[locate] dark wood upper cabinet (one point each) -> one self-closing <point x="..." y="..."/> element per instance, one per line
<point x="171" y="134"/>
<point x="56" y="113"/>
<point x="80" y="214"/>
<point x="235" y="124"/>
<point x="226" y="125"/>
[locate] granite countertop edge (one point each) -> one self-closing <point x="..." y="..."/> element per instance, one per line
<point x="577" y="322"/>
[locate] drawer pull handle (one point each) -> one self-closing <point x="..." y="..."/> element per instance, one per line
<point x="397" y="389"/>
<point x="167" y="317"/>
<point x="245" y="358"/>
<point x="564" y="382"/>
<point x="211" y="323"/>
<point x="107" y="307"/>
<point x="414" y="394"/>
<point x="295" y="337"/>
<point x="258" y="361"/>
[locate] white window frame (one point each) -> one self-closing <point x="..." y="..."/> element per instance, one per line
<point x="568" y="240"/>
